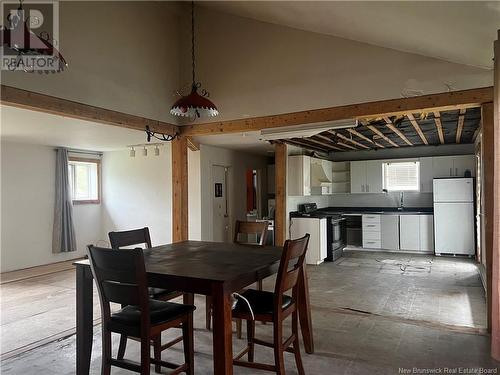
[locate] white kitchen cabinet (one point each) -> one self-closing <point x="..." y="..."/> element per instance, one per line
<point x="442" y="166"/>
<point x="416" y="232"/>
<point x="463" y="163"/>
<point x="371" y="231"/>
<point x="374" y="177"/>
<point x="453" y="166"/>
<point x="426" y="175"/>
<point x="358" y="177"/>
<point x="316" y="251"/>
<point x="389" y="232"/>
<point x="321" y="177"/>
<point x="409" y="232"/>
<point x="426" y="233"/>
<point x="271" y="188"/>
<point x="299" y="175"/>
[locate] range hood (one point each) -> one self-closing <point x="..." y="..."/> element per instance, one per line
<point x="319" y="177"/>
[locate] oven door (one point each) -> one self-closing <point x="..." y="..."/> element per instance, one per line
<point x="338" y="234"/>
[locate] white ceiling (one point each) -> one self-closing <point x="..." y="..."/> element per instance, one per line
<point x="457" y="31"/>
<point x="22" y="125"/>
<point x="248" y="142"/>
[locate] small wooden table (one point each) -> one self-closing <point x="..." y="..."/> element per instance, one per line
<point x="208" y="268"/>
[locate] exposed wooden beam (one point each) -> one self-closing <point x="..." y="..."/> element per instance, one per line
<point x="15" y="97"/>
<point x="425" y="103"/>
<point x="192" y="144"/>
<point x="280" y="162"/>
<point x="398" y="132"/>
<point x="417" y="128"/>
<point x="347" y="139"/>
<point x="301" y="143"/>
<point x="460" y="125"/>
<point x="381" y="135"/>
<point x="179" y="189"/>
<point x="324" y="141"/>
<point x="439" y="126"/>
<point x="358" y="134"/>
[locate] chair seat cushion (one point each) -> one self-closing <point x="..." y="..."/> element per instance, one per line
<point x="161" y="294"/>
<point x="262" y="302"/>
<point x="160" y="312"/>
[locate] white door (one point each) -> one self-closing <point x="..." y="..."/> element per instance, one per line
<point x="464" y="163"/>
<point x="454" y="228"/>
<point x="374" y="182"/>
<point x="409" y="232"/>
<point x="426" y="232"/>
<point x="426" y="175"/>
<point x="220" y="220"/>
<point x="442" y="166"/>
<point x="358" y="176"/>
<point x="454" y="190"/>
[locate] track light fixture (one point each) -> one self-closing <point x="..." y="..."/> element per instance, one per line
<point x="145" y="150"/>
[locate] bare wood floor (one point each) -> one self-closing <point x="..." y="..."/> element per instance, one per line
<point x="372" y="313"/>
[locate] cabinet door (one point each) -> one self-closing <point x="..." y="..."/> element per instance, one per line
<point x="409" y="232"/>
<point x="374" y="176"/>
<point x="299" y="175"/>
<point x="442" y="166"/>
<point x="390" y="232"/>
<point x="463" y="163"/>
<point x="358" y="176"/>
<point x="426" y="175"/>
<point x="426" y="232"/>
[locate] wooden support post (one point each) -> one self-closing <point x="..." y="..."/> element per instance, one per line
<point x="280" y="161"/>
<point x="495" y="300"/>
<point x="179" y="189"/>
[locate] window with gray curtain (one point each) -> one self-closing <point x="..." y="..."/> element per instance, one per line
<point x="63" y="235"/>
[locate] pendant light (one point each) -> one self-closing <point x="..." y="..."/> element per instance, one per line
<point x="194" y="105"/>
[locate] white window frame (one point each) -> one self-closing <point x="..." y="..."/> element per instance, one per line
<point x="385" y="165"/>
<point x="72" y="183"/>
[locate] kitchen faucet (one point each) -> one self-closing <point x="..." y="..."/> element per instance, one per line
<point x="401" y="201"/>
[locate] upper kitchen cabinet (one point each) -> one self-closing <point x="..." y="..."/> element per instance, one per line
<point x="341" y="177"/>
<point x="453" y="166"/>
<point x="426" y="175"/>
<point x="366" y="176"/>
<point x="299" y="175"/>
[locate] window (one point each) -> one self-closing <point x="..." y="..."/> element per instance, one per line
<point x="84" y="180"/>
<point x="402" y="176"/>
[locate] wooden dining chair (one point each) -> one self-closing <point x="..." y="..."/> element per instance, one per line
<point x="121" y="278"/>
<point x="135" y="237"/>
<point x="275" y="308"/>
<point x="243" y="229"/>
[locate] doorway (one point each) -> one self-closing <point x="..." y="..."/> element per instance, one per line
<point x="221" y="227"/>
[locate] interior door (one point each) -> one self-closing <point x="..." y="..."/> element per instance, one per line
<point x="220" y="222"/>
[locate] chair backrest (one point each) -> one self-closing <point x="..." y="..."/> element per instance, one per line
<point x="259" y="228"/>
<point x="130" y="238"/>
<point x="120" y="277"/>
<point x="291" y="263"/>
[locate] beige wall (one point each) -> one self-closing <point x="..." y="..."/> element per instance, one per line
<point x="121" y="55"/>
<point x="255" y="68"/>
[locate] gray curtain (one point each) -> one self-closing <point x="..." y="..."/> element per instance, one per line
<point x="63" y="235"/>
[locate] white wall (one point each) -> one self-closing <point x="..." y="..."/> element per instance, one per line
<point x="238" y="163"/>
<point x="28" y="192"/>
<point x="137" y="193"/>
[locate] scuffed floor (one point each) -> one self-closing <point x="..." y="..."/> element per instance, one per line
<point x="373" y="313"/>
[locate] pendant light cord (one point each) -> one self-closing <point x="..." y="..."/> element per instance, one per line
<point x="192" y="42"/>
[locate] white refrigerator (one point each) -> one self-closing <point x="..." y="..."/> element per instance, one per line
<point x="454" y="216"/>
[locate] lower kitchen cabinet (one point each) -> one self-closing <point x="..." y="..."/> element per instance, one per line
<point x="416" y="232"/>
<point x="427" y="233"/>
<point x="389" y="230"/>
<point x="371" y="231"/>
<point x="316" y="251"/>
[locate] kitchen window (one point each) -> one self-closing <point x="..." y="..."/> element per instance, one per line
<point x="401" y="176"/>
<point x="84" y="180"/>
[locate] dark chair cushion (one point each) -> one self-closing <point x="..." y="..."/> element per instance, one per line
<point x="160" y="311"/>
<point x="262" y="302"/>
<point x="161" y="294"/>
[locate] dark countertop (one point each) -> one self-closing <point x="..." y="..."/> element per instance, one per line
<point x="335" y="211"/>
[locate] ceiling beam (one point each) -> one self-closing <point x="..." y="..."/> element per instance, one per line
<point x="192" y="144"/>
<point x="347" y="139"/>
<point x="337" y="143"/>
<point x="15" y="97"/>
<point x="426" y="103"/>
<point x="439" y="126"/>
<point x="325" y="141"/>
<point x="460" y="125"/>
<point x="417" y="128"/>
<point x="358" y="134"/>
<point x="398" y="132"/>
<point x="300" y="143"/>
<point x="381" y="135"/>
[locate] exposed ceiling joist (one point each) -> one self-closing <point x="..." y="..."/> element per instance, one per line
<point x="341" y="136"/>
<point x="460" y="125"/>
<point x="304" y="144"/>
<point x="426" y="103"/>
<point x="439" y="126"/>
<point x="358" y="134"/>
<point x="417" y="128"/>
<point x="325" y="141"/>
<point x="381" y="135"/>
<point x="398" y="132"/>
<point x="192" y="144"/>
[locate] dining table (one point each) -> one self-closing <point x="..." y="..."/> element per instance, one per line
<point x="213" y="269"/>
